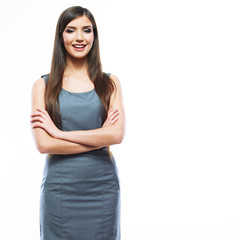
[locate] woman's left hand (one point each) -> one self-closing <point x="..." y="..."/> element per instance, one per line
<point x="41" y="119"/>
<point x="112" y="117"/>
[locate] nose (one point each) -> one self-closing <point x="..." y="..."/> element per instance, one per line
<point x="79" y="36"/>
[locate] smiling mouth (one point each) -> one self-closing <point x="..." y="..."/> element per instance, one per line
<point x="79" y="46"/>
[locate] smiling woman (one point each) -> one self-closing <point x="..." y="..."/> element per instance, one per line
<point x="77" y="113"/>
<point x="78" y="37"/>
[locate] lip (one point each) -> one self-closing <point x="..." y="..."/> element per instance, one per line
<point x="83" y="46"/>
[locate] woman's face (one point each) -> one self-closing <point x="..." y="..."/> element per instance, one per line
<point x="78" y="37"/>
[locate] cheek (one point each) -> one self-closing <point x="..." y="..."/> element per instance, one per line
<point x="67" y="39"/>
<point x="90" y="38"/>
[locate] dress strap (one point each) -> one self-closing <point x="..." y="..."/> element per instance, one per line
<point x="45" y="77"/>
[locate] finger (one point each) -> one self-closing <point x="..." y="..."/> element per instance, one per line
<point x="39" y="110"/>
<point x="35" y="119"/>
<point x="37" y="125"/>
<point x="114" y="120"/>
<point x="113" y="115"/>
<point x="112" y="110"/>
<point x="40" y="114"/>
<point x="109" y="112"/>
<point x="111" y="121"/>
<point x="43" y="111"/>
<point x="37" y="113"/>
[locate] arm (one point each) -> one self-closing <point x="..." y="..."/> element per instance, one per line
<point x="106" y="135"/>
<point x="44" y="142"/>
<point x="110" y="133"/>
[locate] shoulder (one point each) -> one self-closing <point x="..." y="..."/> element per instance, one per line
<point x="38" y="91"/>
<point x="115" y="79"/>
<point x="39" y="83"/>
<point x="38" y="86"/>
<point x="118" y="89"/>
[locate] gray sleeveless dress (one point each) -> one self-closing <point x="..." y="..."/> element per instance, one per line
<point x="80" y="193"/>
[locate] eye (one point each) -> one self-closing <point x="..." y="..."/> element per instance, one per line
<point x="69" y="31"/>
<point x="88" y="30"/>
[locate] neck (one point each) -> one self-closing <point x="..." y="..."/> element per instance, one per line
<point x="76" y="65"/>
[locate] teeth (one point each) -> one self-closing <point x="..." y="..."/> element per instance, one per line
<point x="78" y="46"/>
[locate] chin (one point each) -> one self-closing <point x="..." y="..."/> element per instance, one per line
<point x="78" y="56"/>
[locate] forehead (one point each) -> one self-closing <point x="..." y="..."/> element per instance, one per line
<point x="80" y="22"/>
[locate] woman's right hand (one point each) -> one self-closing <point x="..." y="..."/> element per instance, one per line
<point x="113" y="116"/>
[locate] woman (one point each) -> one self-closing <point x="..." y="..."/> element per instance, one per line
<point x="77" y="113"/>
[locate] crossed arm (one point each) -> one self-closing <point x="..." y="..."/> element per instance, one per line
<point x="50" y="139"/>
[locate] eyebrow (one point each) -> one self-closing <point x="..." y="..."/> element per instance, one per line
<point x="84" y="27"/>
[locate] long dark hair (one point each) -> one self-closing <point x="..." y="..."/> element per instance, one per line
<point x="104" y="86"/>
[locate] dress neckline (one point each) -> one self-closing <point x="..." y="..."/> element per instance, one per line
<point x="78" y="92"/>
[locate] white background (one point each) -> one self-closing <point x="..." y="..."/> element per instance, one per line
<point x="178" y="62"/>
